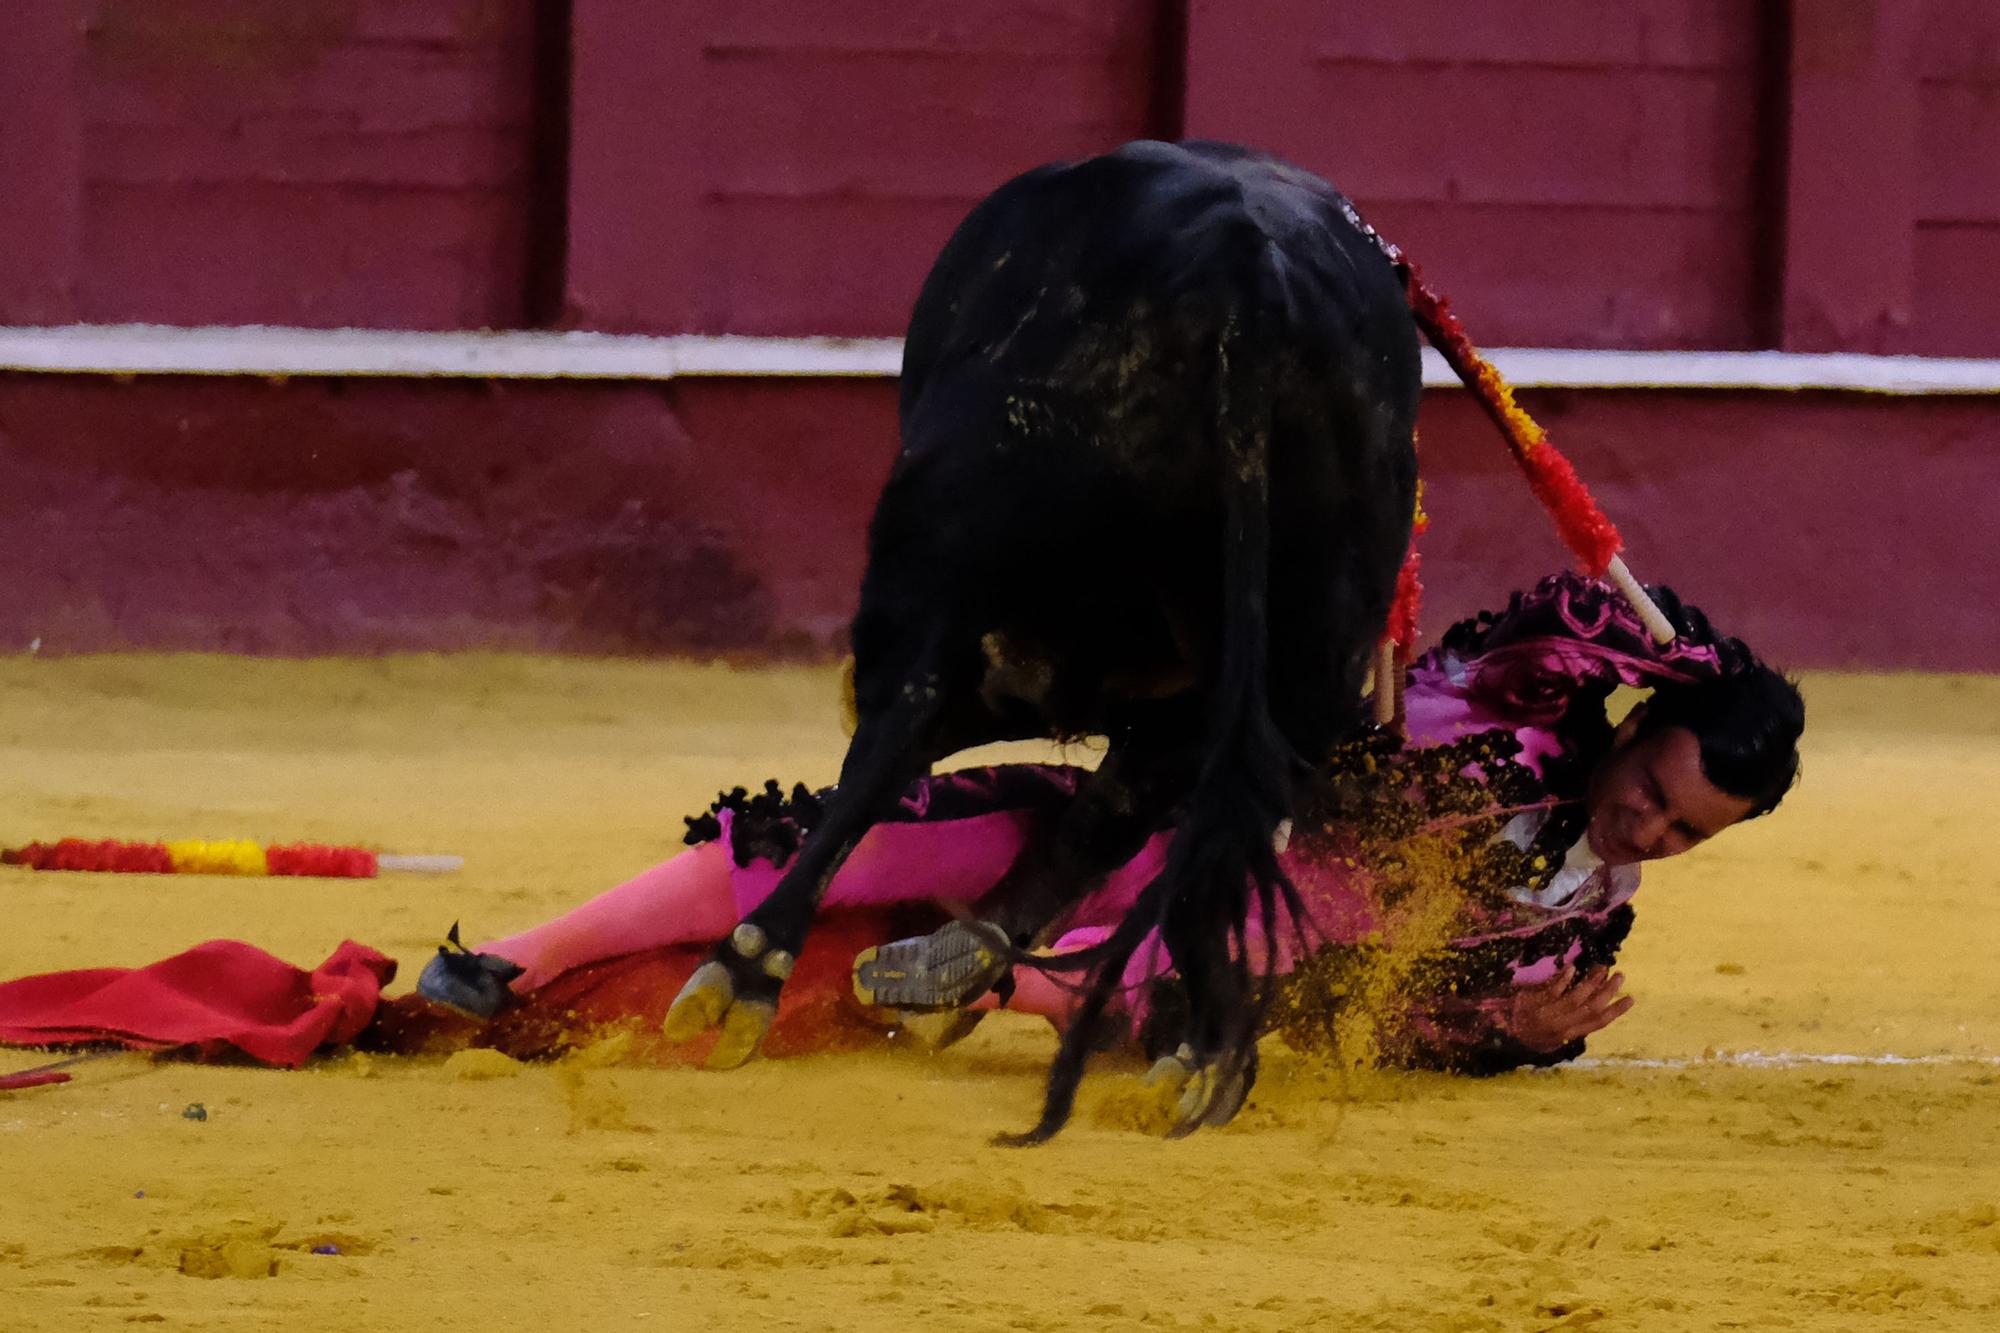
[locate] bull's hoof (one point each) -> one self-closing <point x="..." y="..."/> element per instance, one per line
<point x="935" y="973"/>
<point x="701" y="1004"/>
<point x="737" y="991"/>
<point x="1209" y="1094"/>
<point x="743" y="1029"/>
<point x="934" y="1032"/>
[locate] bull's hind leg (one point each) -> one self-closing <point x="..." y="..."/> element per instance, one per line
<point x="1116" y="809"/>
<point x="1221" y="874"/>
<point x="1216" y="1063"/>
<point x="1129" y="798"/>
<point x="963" y="960"/>
<point x="738" y="987"/>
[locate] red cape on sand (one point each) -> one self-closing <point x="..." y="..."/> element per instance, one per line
<point x="225" y="997"/>
<point x="215" y="996"/>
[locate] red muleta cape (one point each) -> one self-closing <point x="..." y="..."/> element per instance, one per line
<point x="213" y="997"/>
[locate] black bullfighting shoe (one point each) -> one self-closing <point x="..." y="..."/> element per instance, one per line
<point x="944" y="970"/>
<point x="473" y="984"/>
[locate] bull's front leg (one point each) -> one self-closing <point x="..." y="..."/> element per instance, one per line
<point x="738" y="988"/>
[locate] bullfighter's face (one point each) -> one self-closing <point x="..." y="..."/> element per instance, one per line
<point x="1649" y="798"/>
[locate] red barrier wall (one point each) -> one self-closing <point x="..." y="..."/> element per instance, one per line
<point x="1955" y="139"/>
<point x="1575" y="174"/>
<point x="1659" y="173"/>
<point x="729" y="516"/>
<point x="236" y="161"/>
<point x="768" y="167"/>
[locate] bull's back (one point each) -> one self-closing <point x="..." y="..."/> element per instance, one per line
<point x="1077" y="276"/>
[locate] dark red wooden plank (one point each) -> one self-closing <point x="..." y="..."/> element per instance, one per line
<point x="1560" y="202"/>
<point x="1493" y="134"/>
<point x="1583" y="277"/>
<point x="313" y="255"/>
<point x="1958" y="41"/>
<point x="774" y="168"/>
<point x="1958" y="289"/>
<point x="1852" y="179"/>
<point x="1587" y="34"/>
<point x="639" y="164"/>
<point x="1249" y="77"/>
<point x="920" y="126"/>
<point x="40" y="150"/>
<point x="1959" y="152"/>
<point x="373" y="88"/>
<point x="848" y="267"/>
<point x="363" y="163"/>
<point x="930" y="26"/>
<point x="280" y="150"/>
<point x="1958" y="237"/>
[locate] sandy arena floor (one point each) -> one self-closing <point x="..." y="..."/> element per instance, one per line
<point x="1679" y="1184"/>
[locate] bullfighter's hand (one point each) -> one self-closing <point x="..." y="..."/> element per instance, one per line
<point x="1556" y="1012"/>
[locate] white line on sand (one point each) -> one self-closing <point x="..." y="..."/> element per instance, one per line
<point x="1773" y="1060"/>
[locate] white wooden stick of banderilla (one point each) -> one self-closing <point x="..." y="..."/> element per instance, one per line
<point x="389" y="863"/>
<point x="1386" y="683"/>
<point x="1656" y="621"/>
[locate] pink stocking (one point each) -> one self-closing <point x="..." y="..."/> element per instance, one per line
<point x="686" y="898"/>
<point x="1035" y="992"/>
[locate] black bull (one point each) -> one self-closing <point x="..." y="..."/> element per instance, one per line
<point x="1155" y="484"/>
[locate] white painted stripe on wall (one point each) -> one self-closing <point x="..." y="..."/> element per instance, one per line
<point x="158" y="349"/>
<point x="154" y="349"/>
<point x="1550" y="367"/>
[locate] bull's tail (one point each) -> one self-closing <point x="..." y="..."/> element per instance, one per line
<point x="1221" y="867"/>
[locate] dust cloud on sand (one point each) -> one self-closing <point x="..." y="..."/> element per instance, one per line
<point x="1677" y="1183"/>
